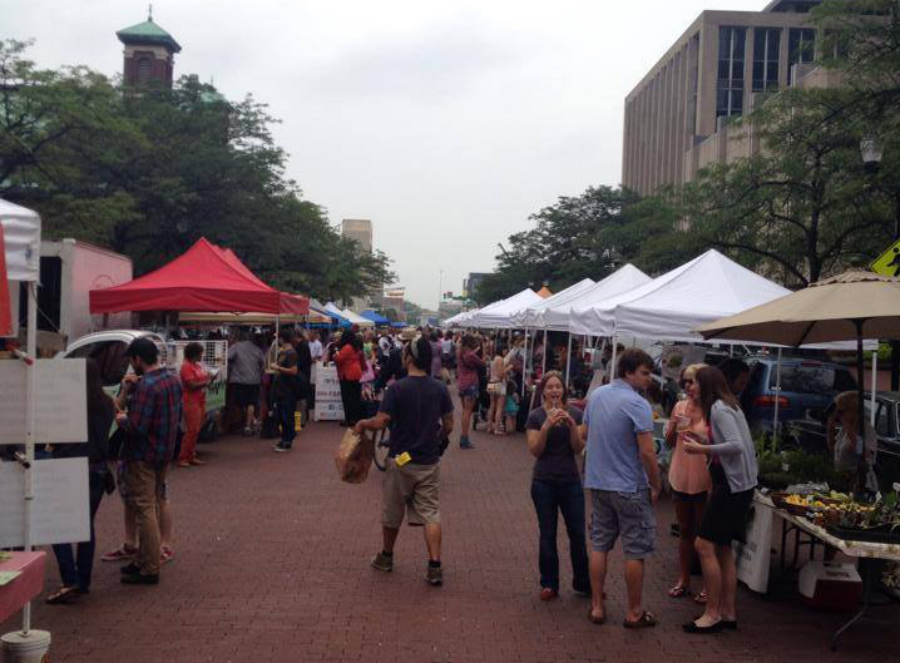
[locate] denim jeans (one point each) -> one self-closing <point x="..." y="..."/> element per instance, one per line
<point x="286" y="406"/>
<point x="75" y="569"/>
<point x="549" y="499"/>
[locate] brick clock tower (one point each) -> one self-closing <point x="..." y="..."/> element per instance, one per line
<point x="149" y="54"/>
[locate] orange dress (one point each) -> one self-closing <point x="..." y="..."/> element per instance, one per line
<point x="688" y="473"/>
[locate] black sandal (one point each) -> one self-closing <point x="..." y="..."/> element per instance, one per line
<point x="693" y="627"/>
<point x="65" y="595"/>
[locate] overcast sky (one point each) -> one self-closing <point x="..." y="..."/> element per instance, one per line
<point x="447" y="124"/>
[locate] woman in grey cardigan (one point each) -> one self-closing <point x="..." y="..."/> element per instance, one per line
<point x="733" y="470"/>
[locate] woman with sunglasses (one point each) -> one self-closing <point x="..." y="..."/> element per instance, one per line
<point x="689" y="479"/>
<point x="733" y="470"/>
<point x="553" y="438"/>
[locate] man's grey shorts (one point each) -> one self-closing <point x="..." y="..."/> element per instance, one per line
<point x="626" y="515"/>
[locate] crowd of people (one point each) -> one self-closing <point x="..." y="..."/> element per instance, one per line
<point x="598" y="450"/>
<point x="713" y="474"/>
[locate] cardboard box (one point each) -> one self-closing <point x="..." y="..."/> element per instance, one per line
<point x="830" y="586"/>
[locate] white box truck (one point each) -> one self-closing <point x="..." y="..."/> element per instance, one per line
<point x="70" y="269"/>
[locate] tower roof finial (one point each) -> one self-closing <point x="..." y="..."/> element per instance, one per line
<point x="150" y="13"/>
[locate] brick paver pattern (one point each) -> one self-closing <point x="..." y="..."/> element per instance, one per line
<point x="272" y="564"/>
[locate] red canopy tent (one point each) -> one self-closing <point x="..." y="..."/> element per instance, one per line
<point x="205" y="278"/>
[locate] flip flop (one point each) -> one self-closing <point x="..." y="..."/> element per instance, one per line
<point x="65" y="595"/>
<point x="679" y="591"/>
<point x="593" y="619"/>
<point x="701" y="598"/>
<point x="646" y="620"/>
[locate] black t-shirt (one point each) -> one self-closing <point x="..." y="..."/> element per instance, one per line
<point x="416" y="405"/>
<point x="285" y="385"/>
<point x="557" y="463"/>
<point x="304" y="358"/>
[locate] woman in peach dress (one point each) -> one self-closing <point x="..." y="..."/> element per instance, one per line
<point x="689" y="479"/>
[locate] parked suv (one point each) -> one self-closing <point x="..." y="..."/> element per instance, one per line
<point x="805" y="384"/>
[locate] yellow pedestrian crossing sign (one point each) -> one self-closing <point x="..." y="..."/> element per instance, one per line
<point x="888" y="263"/>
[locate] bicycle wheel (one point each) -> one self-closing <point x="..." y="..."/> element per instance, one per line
<point x="382" y="448"/>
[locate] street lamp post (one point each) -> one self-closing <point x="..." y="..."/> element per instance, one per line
<point x="871" y="152"/>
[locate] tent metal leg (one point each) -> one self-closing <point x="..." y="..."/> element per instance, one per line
<point x="777" y="397"/>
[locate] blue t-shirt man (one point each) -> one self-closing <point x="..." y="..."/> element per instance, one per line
<point x="613" y="458"/>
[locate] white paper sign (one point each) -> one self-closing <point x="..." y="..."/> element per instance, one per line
<point x="329" y="406"/>
<point x="59" y="512"/>
<point x="61" y="401"/>
<point x="753" y="557"/>
<point x="329" y="411"/>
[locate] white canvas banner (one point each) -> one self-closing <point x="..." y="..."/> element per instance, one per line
<point x="754" y="557"/>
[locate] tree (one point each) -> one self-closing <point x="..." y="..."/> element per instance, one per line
<point x="578" y="237"/>
<point x="148" y="172"/>
<point x="801" y="207"/>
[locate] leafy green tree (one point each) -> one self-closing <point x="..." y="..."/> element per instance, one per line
<point x="802" y="207"/>
<point x="148" y="172"/>
<point x="578" y="237"/>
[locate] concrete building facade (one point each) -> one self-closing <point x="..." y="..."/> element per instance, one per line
<point x="359" y="230"/>
<point x="677" y="117"/>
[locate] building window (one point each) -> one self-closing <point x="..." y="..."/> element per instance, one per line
<point x="144" y="71"/>
<point x="730" y="87"/>
<point x="766" y="48"/>
<point x="801" y="46"/>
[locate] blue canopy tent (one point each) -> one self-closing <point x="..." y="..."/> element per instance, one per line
<point x="377" y="318"/>
<point x="337" y="320"/>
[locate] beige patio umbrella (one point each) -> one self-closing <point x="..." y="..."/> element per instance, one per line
<point x="853" y="306"/>
<point x="856" y="305"/>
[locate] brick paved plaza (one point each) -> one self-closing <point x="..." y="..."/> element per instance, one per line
<point x="272" y="565"/>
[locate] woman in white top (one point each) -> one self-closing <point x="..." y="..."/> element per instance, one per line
<point x="497" y="391"/>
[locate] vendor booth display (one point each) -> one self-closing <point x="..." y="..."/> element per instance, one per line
<point x="856" y="305"/>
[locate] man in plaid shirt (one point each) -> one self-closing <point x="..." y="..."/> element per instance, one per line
<point x="153" y="395"/>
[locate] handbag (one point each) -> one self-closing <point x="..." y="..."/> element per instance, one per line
<point x="354" y="456"/>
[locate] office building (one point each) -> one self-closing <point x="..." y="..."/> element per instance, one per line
<point x="359" y="230"/>
<point x="676" y="118"/>
<point x="472" y="283"/>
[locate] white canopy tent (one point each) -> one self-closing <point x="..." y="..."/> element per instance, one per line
<point x="459" y="319"/>
<point x="331" y="307"/>
<point x="558" y="318"/>
<point x="22" y="239"/>
<point x="532" y="316"/>
<point x="598" y="317"/>
<point x="499" y="314"/>
<point x="708" y="288"/>
<point x="356" y="319"/>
